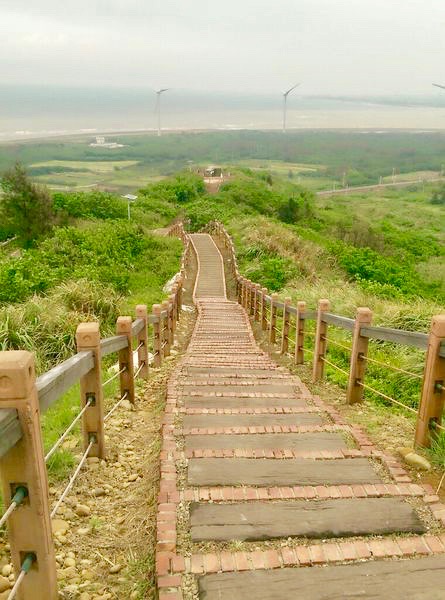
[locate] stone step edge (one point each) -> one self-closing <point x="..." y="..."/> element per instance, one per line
<point x="262" y="430"/>
<point x="170" y="566"/>
<point x="260" y="410"/>
<point x="309" y="492"/>
<point x="282" y="453"/>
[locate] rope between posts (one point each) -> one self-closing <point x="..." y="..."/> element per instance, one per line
<point x="331" y="364"/>
<point x="73" y="477"/>
<point x="382" y="364"/>
<point x="326" y="339"/>
<point x="140" y="346"/>
<point x="61" y="439"/>
<point x="20" y="494"/>
<point x="141" y="366"/>
<point x="26" y="566"/>
<point x="113" y="377"/>
<point x="121" y="399"/>
<point x="371" y="389"/>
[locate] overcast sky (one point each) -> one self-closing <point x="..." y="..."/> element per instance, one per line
<point x="332" y="46"/>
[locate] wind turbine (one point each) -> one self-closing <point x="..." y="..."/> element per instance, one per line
<point x="285" y="95"/>
<point x="439" y="86"/>
<point x="158" y="106"/>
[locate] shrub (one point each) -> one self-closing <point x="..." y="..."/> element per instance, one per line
<point x="27" y="209"/>
<point x="90" y="205"/>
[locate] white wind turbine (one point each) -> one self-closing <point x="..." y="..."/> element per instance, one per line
<point x="158" y="106"/>
<point x="285" y="95"/>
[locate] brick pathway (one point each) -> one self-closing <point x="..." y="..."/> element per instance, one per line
<point x="274" y="485"/>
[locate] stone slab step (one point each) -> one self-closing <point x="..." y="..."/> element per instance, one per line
<point x="417" y="579"/>
<point x="210" y="421"/>
<point x="265" y="472"/>
<point x="250" y="521"/>
<point x="239" y="402"/>
<point x="268" y="441"/>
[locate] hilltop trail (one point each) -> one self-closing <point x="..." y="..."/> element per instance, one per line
<point x="249" y="454"/>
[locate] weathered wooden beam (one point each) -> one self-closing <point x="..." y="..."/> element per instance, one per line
<point x="137" y="326"/>
<point x="113" y="344"/>
<point x="10" y="429"/>
<point x="54" y="383"/>
<point x="338" y="321"/>
<point x="396" y="336"/>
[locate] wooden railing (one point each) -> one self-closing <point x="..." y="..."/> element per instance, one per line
<point x="268" y="310"/>
<point x="25" y="397"/>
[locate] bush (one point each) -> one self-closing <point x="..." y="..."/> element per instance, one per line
<point x="26" y="209"/>
<point x="297" y="207"/>
<point x="272" y="272"/>
<point x="438" y="196"/>
<point x="90" y="205"/>
<point x="105" y="253"/>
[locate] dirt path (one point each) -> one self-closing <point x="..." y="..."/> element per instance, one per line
<point x="262" y="484"/>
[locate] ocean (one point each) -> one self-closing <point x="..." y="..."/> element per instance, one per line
<point x="43" y="111"/>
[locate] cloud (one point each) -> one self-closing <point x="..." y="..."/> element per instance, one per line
<point x="333" y="46"/>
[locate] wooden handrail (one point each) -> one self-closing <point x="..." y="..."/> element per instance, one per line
<point x="10" y="430"/>
<point x="53" y="384"/>
<point x="113" y="344"/>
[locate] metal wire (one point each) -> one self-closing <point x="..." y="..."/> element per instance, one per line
<point x="61" y="439"/>
<point x="371" y="389"/>
<point x="382" y="364"/>
<point x="26" y="565"/>
<point x="109" y="413"/>
<point x="141" y="366"/>
<point x="114" y="376"/>
<point x="331" y="364"/>
<point x="73" y="478"/>
<point x="336" y="343"/>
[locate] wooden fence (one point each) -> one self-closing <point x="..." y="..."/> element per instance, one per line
<point x="24" y="397"/>
<point x="267" y="310"/>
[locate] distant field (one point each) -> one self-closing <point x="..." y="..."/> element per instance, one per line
<point x="413" y="176"/>
<point x="317" y="159"/>
<point x="281" y="167"/>
<point x="93" y="166"/>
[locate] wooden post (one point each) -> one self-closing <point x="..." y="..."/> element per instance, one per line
<point x="123" y="327"/>
<point x="29" y="526"/>
<point x="256" y="310"/>
<point x="245" y="294"/>
<point x="263" y="309"/>
<point x="273" y="318"/>
<point x="240" y="290"/>
<point x="88" y="338"/>
<point x="299" y="333"/>
<point x="320" y="341"/>
<point x="157" y="336"/>
<point x="285" y="332"/>
<point x="359" y="352"/>
<point x="165" y="327"/>
<point x="433" y="386"/>
<point x="172" y="319"/>
<point x="179" y="297"/>
<point x="252" y="298"/>
<point x="142" y="338"/>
